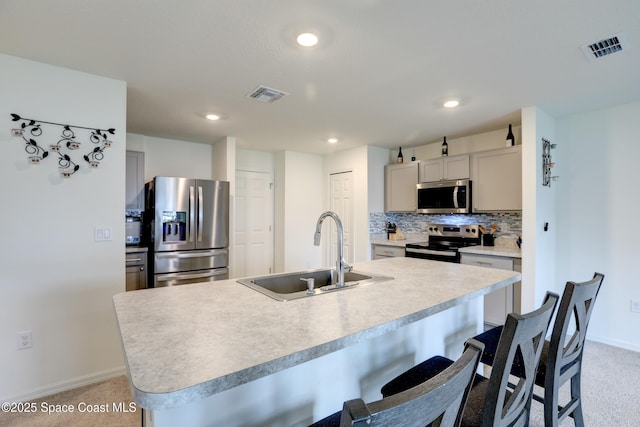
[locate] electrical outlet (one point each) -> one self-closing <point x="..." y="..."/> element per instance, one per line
<point x="24" y="340"/>
<point x="635" y="305"/>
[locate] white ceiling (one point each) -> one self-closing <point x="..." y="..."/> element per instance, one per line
<point x="377" y="76"/>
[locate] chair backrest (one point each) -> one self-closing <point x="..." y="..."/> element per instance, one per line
<point x="522" y="336"/>
<point x="575" y="308"/>
<point x="439" y="400"/>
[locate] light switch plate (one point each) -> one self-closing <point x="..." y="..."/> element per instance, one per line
<point x="102" y="234"/>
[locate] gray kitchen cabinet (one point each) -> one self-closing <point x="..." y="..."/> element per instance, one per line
<point x="136" y="270"/>
<point x="499" y="303"/>
<point x="134" y="181"/>
<point x="387" y="251"/>
<point x="497" y="180"/>
<point x="445" y="168"/>
<point x="400" y="187"/>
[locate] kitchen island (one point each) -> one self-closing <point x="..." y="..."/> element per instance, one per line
<point x="220" y="353"/>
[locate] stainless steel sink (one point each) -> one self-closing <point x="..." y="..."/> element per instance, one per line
<point x="290" y="286"/>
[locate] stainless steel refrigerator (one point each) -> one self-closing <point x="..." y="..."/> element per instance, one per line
<point x="188" y="230"/>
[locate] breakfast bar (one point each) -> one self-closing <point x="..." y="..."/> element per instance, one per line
<point x="220" y="353"/>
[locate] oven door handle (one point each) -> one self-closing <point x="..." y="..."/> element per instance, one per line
<point x="431" y="252"/>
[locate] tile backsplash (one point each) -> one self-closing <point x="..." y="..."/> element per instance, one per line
<point x="509" y="223"/>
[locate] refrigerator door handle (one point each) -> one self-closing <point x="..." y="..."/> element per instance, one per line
<point x="200" y="212"/>
<point x="192" y="205"/>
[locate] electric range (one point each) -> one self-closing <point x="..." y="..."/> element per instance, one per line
<point x="444" y="242"/>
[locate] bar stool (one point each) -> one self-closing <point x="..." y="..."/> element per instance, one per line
<point x="440" y="399"/>
<point x="561" y="359"/>
<point x="491" y="402"/>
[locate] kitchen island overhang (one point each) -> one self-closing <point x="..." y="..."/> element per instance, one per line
<point x="185" y="343"/>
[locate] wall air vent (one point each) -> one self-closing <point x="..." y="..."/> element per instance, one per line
<point x="616" y="43"/>
<point x="266" y="94"/>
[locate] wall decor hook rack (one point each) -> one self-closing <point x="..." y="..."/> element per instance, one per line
<point x="547" y="164"/>
<point x="70" y="139"/>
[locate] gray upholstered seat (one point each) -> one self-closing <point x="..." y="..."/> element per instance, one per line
<point x="491" y="402"/>
<point x="561" y="359"/>
<point x="438" y="401"/>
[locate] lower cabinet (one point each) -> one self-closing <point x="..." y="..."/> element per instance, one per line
<point x="387" y="251"/>
<point x="136" y="270"/>
<point x="501" y="302"/>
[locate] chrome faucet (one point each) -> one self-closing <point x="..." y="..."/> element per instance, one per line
<point x="341" y="264"/>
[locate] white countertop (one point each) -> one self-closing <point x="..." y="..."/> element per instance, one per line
<point x="499" y="250"/>
<point x="185" y="343"/>
<point x="409" y="238"/>
<point x="398" y="243"/>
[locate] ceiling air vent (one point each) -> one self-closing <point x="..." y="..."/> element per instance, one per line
<point x="616" y="43"/>
<point x="266" y="94"/>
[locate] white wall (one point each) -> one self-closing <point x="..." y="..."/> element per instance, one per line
<point x="597" y="161"/>
<point x="56" y="281"/>
<point x="378" y="158"/>
<point x="299" y="202"/>
<point x="223" y="163"/>
<point x="255" y="161"/>
<point x="224" y="160"/>
<point x="170" y="157"/>
<point x="538" y="207"/>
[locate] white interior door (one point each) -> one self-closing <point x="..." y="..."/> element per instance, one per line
<point x="253" y="224"/>
<point x="341" y="185"/>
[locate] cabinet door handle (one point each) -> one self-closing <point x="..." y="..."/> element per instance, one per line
<point x="484" y="263"/>
<point x="141" y="268"/>
<point x="133" y="259"/>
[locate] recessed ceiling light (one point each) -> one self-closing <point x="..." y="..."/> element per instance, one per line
<point x="332" y="140"/>
<point x="451" y="103"/>
<point x="307" y="39"/>
<point x="212" y="117"/>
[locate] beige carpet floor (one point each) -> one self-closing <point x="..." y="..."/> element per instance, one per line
<point x="610" y="389"/>
<point x="610" y="392"/>
<point x="99" y="397"/>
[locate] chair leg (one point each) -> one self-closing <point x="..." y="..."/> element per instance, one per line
<point x="578" y="419"/>
<point x="554" y="414"/>
<point x="551" y="405"/>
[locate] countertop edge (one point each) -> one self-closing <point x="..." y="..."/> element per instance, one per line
<point x="199" y="391"/>
<point x="504" y="251"/>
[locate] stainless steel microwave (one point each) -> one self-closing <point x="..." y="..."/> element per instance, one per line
<point x="444" y="197"/>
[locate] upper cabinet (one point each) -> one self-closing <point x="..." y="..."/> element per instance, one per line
<point x="497" y="180"/>
<point x="400" y="187"/>
<point x="445" y="168"/>
<point x="135" y="180"/>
